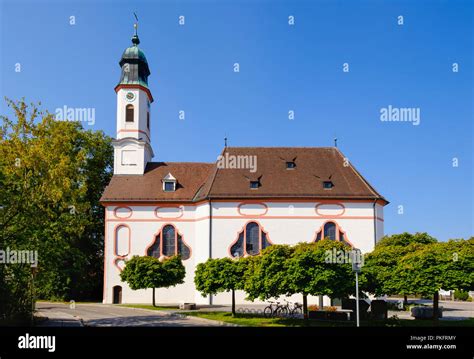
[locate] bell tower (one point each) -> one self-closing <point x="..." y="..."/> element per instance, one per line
<point x="132" y="148"/>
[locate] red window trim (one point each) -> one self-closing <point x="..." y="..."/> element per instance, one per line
<point x="338" y="231"/>
<point x="176" y="234"/>
<point x="244" y="230"/>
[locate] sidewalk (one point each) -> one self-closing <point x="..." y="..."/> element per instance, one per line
<point x="49" y="318"/>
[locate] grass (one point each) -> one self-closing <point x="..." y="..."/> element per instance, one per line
<point x="146" y="306"/>
<point x="251" y="320"/>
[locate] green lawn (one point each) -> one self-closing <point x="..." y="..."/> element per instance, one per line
<point x="251" y="320"/>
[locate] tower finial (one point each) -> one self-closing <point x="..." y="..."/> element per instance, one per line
<point x="225" y="141"/>
<point x="135" y="39"/>
<point x="335" y="141"/>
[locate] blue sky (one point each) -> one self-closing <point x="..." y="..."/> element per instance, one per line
<point x="282" y="68"/>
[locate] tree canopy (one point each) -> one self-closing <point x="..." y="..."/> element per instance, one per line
<point x="444" y="265"/>
<point x="310" y="273"/>
<point x="142" y="272"/>
<point x="52" y="174"/>
<point x="220" y="275"/>
<point x="377" y="275"/>
<point x="267" y="274"/>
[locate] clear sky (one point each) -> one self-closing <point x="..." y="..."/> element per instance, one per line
<point x="282" y="68"/>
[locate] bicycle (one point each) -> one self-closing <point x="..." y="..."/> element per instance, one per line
<point x="297" y="309"/>
<point x="272" y="309"/>
<point x="293" y="309"/>
<point x="275" y="309"/>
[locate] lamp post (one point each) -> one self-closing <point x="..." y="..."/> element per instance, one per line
<point x="356" y="266"/>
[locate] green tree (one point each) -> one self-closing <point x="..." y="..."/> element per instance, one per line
<point x="149" y="272"/>
<point x="52" y="174"/>
<point x="404" y="239"/>
<point x="444" y="265"/>
<point x="379" y="265"/>
<point x="16" y="294"/>
<point x="267" y="274"/>
<point x="220" y="275"/>
<point x="320" y="268"/>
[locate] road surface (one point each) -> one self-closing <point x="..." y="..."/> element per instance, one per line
<point x="105" y="315"/>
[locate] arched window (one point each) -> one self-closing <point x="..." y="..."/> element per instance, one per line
<point x="168" y="242"/>
<point x="331" y="230"/>
<point x="250" y="241"/>
<point x="122" y="240"/>
<point x="129" y="113"/>
<point x="148" y="120"/>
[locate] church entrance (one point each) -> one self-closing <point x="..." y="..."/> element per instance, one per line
<point x="117" y="294"/>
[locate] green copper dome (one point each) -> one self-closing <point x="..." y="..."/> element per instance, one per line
<point x="134" y="65"/>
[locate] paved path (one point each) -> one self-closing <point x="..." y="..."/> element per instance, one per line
<point x="104" y="315"/>
<point x="452" y="310"/>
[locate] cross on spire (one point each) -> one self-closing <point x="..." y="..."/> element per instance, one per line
<point x="135" y="39"/>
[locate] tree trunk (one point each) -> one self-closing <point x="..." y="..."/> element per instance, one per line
<point x="154" y="304"/>
<point x="305" y="306"/>
<point x="435" y="305"/>
<point x="233" y="303"/>
<point x="405" y="301"/>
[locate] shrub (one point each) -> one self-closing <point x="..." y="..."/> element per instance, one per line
<point x="313" y="308"/>
<point x="15" y="294"/>
<point x="461" y="295"/>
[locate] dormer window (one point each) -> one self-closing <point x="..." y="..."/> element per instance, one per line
<point x="254" y="184"/>
<point x="290" y="165"/>
<point x="169" y="183"/>
<point x="169" y="186"/>
<point x="328" y="185"/>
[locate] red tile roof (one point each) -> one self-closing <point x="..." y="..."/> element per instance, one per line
<point x="200" y="181"/>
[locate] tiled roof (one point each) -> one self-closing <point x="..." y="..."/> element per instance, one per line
<point x="199" y="181"/>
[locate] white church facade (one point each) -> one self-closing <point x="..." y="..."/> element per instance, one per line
<point x="286" y="195"/>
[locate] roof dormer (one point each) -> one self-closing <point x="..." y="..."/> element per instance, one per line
<point x="169" y="183"/>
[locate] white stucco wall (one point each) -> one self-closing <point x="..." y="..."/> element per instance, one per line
<point x="285" y="223"/>
<point x="138" y="147"/>
<point x="140" y="104"/>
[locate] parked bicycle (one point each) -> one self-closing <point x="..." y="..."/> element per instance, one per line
<point x="293" y="309"/>
<point x="272" y="309"/>
<point x="297" y="309"/>
<point x="275" y="309"/>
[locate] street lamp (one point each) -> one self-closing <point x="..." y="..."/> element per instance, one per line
<point x="356" y="267"/>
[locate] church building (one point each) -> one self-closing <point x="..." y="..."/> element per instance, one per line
<point x="249" y="199"/>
